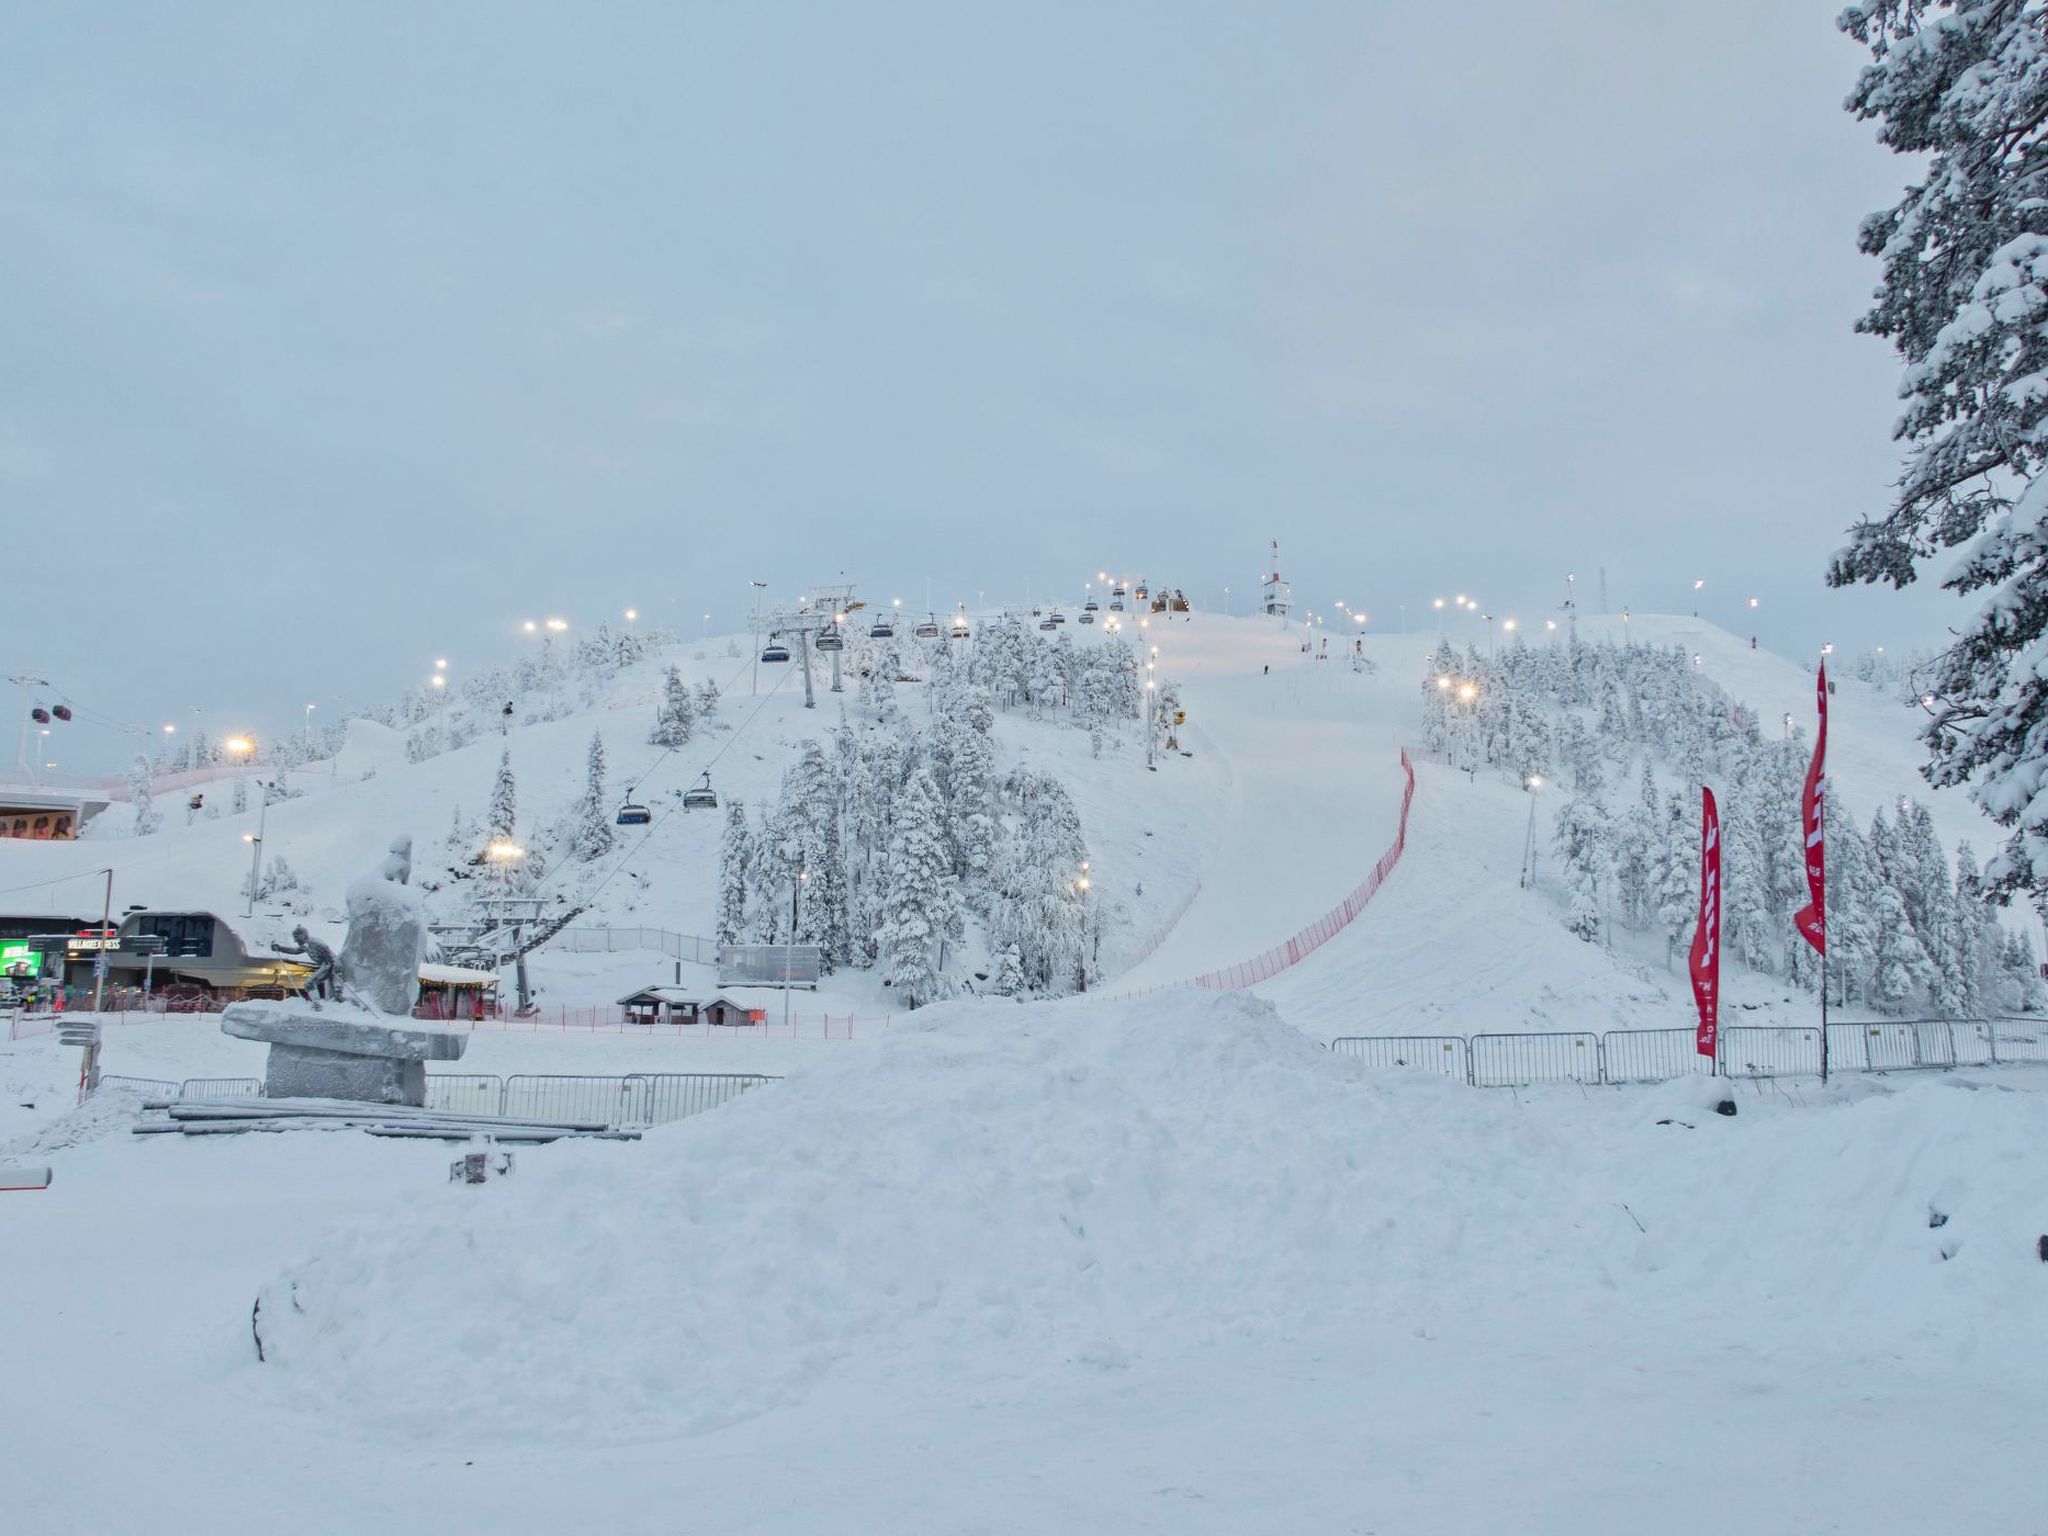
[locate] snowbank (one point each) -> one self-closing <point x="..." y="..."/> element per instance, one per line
<point x="1010" y="1190"/>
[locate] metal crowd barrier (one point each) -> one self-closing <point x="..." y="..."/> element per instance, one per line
<point x="1660" y="1055"/>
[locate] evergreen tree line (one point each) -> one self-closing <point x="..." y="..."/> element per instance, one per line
<point x="882" y="849"/>
<point x="1909" y="928"/>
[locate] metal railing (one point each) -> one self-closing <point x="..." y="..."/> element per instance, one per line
<point x="636" y="1099"/>
<point x="1445" y="1055"/>
<point x="1746" y="1051"/>
<point x="677" y="946"/>
<point x="221" y="1088"/>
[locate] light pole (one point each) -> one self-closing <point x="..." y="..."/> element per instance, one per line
<point x="1532" y="784"/>
<point x="256" y="847"/>
<point x="796" y="888"/>
<point x="1082" y="884"/>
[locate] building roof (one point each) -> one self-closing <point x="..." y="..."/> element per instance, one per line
<point x="736" y="997"/>
<point x="456" y="976"/>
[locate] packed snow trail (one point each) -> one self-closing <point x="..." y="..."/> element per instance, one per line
<point x="1312" y="752"/>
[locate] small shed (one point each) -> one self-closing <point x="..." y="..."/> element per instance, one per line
<point x="686" y="1005"/>
<point x="456" y="992"/>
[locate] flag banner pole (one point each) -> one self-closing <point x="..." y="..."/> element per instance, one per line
<point x="1812" y="919"/>
<point x="1705" y="960"/>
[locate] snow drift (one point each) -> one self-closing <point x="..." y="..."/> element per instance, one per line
<point x="1010" y="1190"/>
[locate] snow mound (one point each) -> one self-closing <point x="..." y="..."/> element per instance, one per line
<point x="1005" y="1190"/>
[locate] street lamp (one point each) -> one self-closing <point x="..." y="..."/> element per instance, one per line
<point x="632" y="615"/>
<point x="530" y="626"/>
<point x="1533" y="783"/>
<point x="558" y="625"/>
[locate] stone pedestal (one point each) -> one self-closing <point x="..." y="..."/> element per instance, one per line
<point x="342" y="1052"/>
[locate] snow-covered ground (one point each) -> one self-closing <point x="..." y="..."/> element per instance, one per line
<point x="1096" y="1267"/>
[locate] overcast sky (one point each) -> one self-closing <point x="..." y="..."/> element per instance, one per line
<point x="335" y="341"/>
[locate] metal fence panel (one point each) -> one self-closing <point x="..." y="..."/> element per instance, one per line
<point x="2020" y="1039"/>
<point x="153" y="1086"/>
<point x="1442" y="1054"/>
<point x="1652" y="1055"/>
<point x="468" y="1093"/>
<point x="221" y="1088"/>
<point x="1934" y="1043"/>
<point x="1508" y="1061"/>
<point x="1749" y="1050"/>
<point x="1970" y="1040"/>
<point x="613" y="1100"/>
<point x="671" y="1096"/>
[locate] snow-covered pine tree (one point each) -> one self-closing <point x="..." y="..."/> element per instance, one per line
<point x="591" y="836"/>
<point x="920" y="908"/>
<point x="1678" y="876"/>
<point x="1008" y="980"/>
<point x="733" y="857"/>
<point x="146" y="818"/>
<point x="707" y="699"/>
<point x="676" y="716"/>
<point x="502" y="820"/>
<point x="1959" y="85"/>
<point x="1580" y="839"/>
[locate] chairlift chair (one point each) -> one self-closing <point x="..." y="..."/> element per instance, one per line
<point x="829" y="639"/>
<point x="1090" y="606"/>
<point x="928" y="630"/>
<point x="775" y="651"/>
<point x="1058" y="617"/>
<point x="1116" y="605"/>
<point x="959" y="629"/>
<point x="1047" y="624"/>
<point x="702" y="797"/>
<point x="1142" y="593"/>
<point x="882" y="629"/>
<point x="633" y="814"/>
<point x="1087" y="617"/>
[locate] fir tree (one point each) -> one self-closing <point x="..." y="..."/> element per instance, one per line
<point x="920" y="907"/>
<point x="592" y="835"/>
<point x="733" y="857"/>
<point x="146" y="818"/>
<point x="1959" y="85"/>
<point x="502" y="821"/>
<point x="676" y="717"/>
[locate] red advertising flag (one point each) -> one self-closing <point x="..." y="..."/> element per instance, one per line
<point x="1706" y="938"/>
<point x="1812" y="919"/>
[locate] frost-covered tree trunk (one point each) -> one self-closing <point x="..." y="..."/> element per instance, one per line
<point x="1961" y="86"/>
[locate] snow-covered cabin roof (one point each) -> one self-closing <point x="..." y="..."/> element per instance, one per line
<point x="456" y="976"/>
<point x="699" y="997"/>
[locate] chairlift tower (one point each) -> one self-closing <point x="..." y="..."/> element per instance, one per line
<point x="1276" y="598"/>
<point x="821" y="611"/>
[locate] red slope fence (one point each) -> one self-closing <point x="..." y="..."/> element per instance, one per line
<point x="1299" y="946"/>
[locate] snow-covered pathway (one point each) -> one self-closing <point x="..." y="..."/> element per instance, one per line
<point x="1311" y="751"/>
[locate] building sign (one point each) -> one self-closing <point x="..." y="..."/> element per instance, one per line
<point x="38" y="823"/>
<point x="90" y="941"/>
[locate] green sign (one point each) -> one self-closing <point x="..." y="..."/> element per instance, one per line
<point x="14" y="952"/>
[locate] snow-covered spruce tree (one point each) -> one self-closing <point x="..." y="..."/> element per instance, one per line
<point x="707" y="699"/>
<point x="146" y="818"/>
<point x="502" y="820"/>
<point x="676" y="716"/>
<point x="591" y="837"/>
<point x="1677" y="876"/>
<point x="1008" y="980"/>
<point x="811" y="792"/>
<point x="920" y="907"/>
<point x="239" y="802"/>
<point x="733" y="856"/>
<point x="1580" y="839"/>
<point x="1964" y="299"/>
